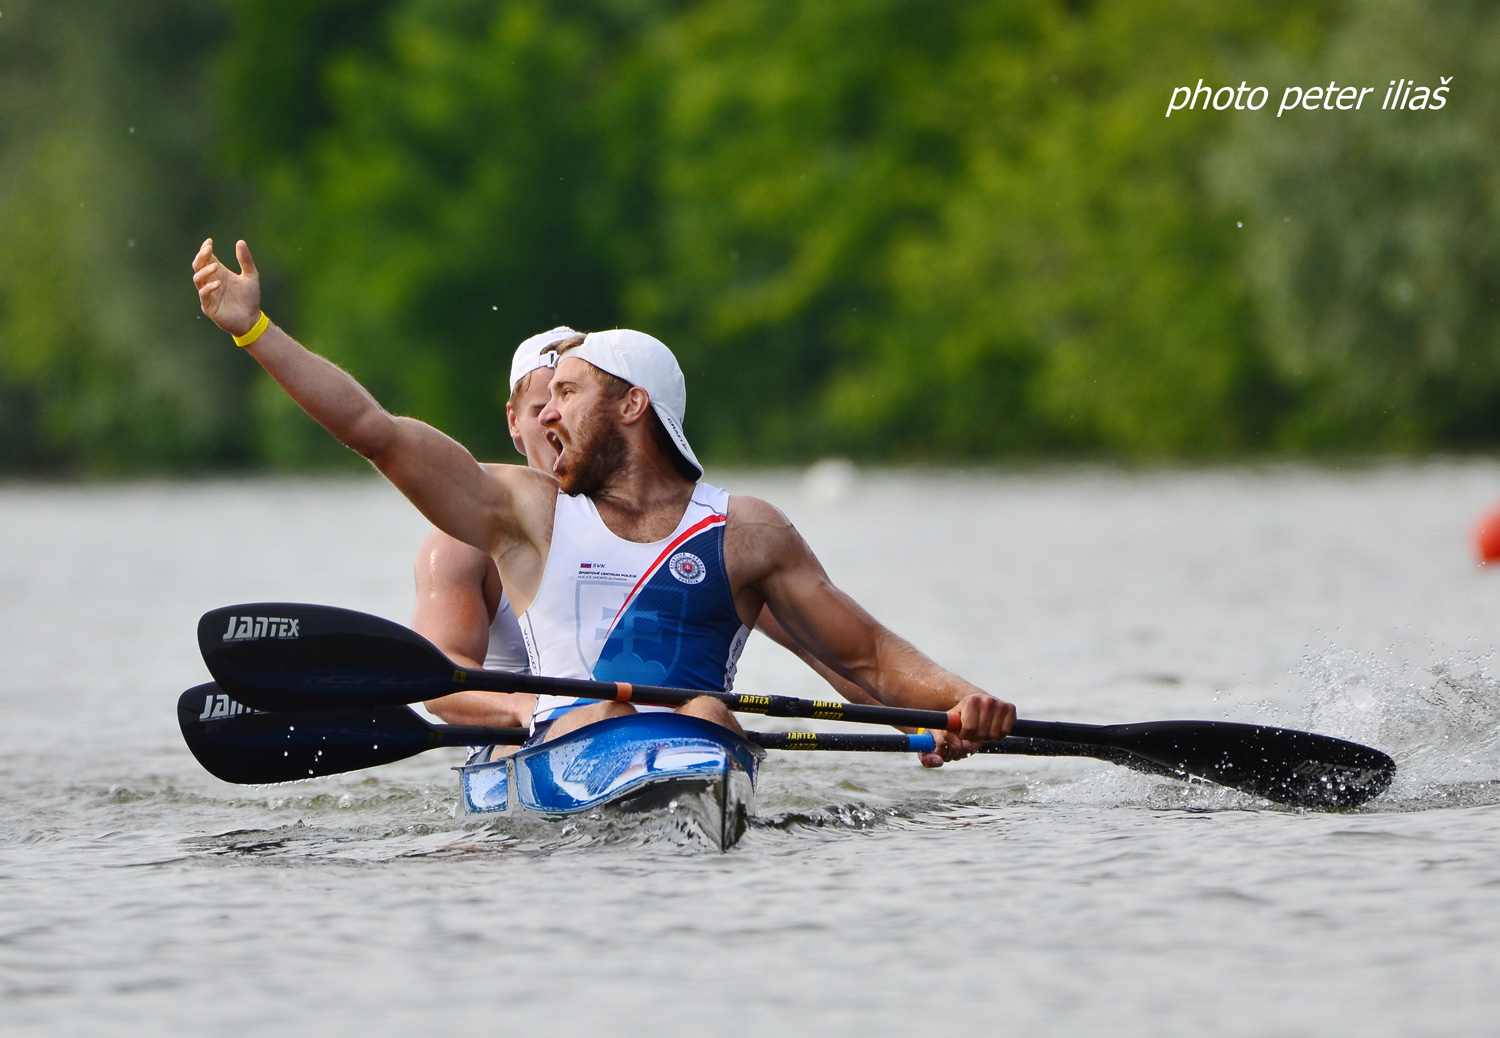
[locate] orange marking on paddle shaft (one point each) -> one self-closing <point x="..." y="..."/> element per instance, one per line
<point x="622" y="691"/>
<point x="955" y="721"/>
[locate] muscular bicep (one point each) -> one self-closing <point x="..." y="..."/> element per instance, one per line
<point x="472" y="503"/>
<point x="772" y="565"/>
<point x="827" y="622"/>
<point x="433" y="470"/>
<point x="771" y="628"/>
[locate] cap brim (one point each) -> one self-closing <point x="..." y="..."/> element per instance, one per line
<point x="679" y="439"/>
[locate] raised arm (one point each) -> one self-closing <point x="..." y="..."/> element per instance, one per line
<point x="770" y="563"/>
<point x="434" y="471"/>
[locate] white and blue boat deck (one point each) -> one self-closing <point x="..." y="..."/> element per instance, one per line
<point x="699" y="772"/>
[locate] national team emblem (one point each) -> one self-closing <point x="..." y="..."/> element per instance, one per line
<point x="687" y="567"/>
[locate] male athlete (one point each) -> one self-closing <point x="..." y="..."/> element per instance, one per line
<point x="621" y="566"/>
<point x="461" y="604"/>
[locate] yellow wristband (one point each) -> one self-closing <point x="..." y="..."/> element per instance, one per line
<point x="256" y="331"/>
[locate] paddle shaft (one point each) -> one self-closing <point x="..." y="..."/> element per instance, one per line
<point x="739" y="702"/>
<point x="465" y="735"/>
<point x="243" y="745"/>
<point x="287" y="656"/>
<point x="772" y="706"/>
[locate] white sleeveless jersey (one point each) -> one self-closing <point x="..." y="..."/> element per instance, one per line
<point x="507" y="649"/>
<point x="609" y="609"/>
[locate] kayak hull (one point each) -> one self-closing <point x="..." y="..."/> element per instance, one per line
<point x="651" y="764"/>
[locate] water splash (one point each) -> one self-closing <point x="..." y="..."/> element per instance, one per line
<point x="1441" y="723"/>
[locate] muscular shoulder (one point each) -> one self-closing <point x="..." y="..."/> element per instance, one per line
<point x="752" y="515"/>
<point x="758" y="537"/>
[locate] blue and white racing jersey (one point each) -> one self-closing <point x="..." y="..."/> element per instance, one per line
<point x="659" y="613"/>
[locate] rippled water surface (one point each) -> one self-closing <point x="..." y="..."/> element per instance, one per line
<point x="138" y="894"/>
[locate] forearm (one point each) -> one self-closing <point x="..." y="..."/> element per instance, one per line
<point x="855" y="646"/>
<point x="327" y="393"/>
<point x="898" y="674"/>
<point x="489" y="709"/>
<point x="770" y="565"/>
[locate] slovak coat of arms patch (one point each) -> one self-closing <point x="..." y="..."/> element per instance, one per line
<point x="687" y="567"/>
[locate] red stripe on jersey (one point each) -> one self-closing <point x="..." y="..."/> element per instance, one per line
<point x="691" y="531"/>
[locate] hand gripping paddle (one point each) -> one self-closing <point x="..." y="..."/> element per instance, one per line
<point x="285" y="657"/>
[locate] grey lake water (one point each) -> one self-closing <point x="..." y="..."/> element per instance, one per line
<point x="1020" y="896"/>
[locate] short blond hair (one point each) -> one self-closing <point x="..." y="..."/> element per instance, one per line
<point x="571" y="342"/>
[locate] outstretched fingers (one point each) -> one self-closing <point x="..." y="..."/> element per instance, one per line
<point x="247" y="262"/>
<point x="231" y="300"/>
<point x="205" y="254"/>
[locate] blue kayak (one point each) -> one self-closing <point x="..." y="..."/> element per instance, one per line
<point x="699" y="772"/>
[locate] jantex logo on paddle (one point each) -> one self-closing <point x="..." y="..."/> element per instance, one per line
<point x="251" y="628"/>
<point x="221" y="706"/>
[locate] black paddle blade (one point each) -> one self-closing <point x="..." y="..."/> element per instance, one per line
<point x="238" y="744"/>
<point x="289" y="656"/>
<point x="1289" y="767"/>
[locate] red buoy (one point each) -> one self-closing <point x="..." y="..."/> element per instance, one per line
<point x="1487" y="537"/>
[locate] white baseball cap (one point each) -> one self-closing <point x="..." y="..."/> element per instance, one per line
<point x="643" y="360"/>
<point x="533" y="353"/>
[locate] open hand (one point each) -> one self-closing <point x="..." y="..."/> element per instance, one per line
<point x="231" y="301"/>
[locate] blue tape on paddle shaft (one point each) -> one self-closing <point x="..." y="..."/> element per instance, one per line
<point x="923" y="743"/>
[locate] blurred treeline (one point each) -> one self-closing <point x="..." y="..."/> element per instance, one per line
<point x="895" y="229"/>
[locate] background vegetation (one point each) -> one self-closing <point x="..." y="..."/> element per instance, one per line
<point x="896" y="229"/>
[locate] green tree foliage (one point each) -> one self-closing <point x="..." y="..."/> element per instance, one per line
<point x="883" y="227"/>
<point x="106" y="174"/>
<point x="871" y="226"/>
<point x="465" y="174"/>
<point x="957" y="228"/>
<point x="1375" y="235"/>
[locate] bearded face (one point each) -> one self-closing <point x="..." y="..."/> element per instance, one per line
<point x="595" y="452"/>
